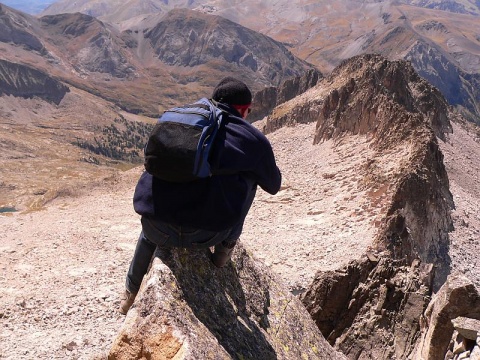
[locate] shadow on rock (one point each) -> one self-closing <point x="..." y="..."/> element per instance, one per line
<point x="217" y="299"/>
<point x="189" y="309"/>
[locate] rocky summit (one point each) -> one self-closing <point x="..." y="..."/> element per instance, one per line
<point x="373" y="305"/>
<point x="369" y="250"/>
<point x="188" y="309"/>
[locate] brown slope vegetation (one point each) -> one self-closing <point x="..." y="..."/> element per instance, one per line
<point x="50" y="148"/>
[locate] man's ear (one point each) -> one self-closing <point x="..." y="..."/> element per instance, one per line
<point x="243" y="112"/>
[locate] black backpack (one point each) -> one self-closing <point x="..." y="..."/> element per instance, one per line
<point x="179" y="145"/>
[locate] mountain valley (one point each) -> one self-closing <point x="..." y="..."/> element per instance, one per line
<point x="442" y="37"/>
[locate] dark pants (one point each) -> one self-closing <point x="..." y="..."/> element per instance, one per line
<point x="159" y="234"/>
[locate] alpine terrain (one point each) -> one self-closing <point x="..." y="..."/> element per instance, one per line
<point x="440" y="37"/>
<point x="369" y="250"/>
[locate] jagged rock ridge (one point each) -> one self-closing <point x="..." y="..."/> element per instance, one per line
<point x="373" y="305"/>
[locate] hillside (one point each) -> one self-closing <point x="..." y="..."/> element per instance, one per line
<point x="439" y="37"/>
<point x="340" y="196"/>
<point x="89" y="54"/>
<point x="57" y="138"/>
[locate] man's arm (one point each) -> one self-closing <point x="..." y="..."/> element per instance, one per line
<point x="268" y="174"/>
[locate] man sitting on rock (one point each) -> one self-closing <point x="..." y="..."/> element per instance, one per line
<point x="209" y="211"/>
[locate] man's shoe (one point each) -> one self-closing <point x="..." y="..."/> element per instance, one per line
<point x="127" y="300"/>
<point x="222" y="254"/>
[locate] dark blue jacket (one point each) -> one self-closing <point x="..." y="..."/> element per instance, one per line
<point x="242" y="159"/>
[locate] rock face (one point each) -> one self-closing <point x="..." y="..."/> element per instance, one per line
<point x="372" y="306"/>
<point x="267" y="99"/>
<point x="91" y="45"/>
<point x="458" y="297"/>
<point x="188" y="309"/>
<point x="23" y="81"/>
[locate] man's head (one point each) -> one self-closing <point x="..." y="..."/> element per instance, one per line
<point x="235" y="93"/>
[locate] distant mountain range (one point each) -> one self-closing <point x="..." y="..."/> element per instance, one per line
<point x="440" y="38"/>
<point x="162" y="62"/>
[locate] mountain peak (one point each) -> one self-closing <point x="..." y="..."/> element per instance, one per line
<point x="369" y="83"/>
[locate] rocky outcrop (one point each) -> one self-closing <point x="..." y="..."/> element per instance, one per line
<point x="458" y="297"/>
<point x="389" y="101"/>
<point x="188" y="309"/>
<point x="23" y="81"/>
<point x="394" y="106"/>
<point x="465" y="343"/>
<point x="267" y="99"/>
<point x="374" y="94"/>
<point x="372" y="306"/>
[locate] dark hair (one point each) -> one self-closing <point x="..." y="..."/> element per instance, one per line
<point x="232" y="91"/>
